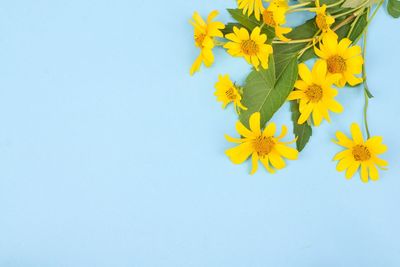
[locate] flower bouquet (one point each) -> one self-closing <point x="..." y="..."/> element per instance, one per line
<point x="335" y="37"/>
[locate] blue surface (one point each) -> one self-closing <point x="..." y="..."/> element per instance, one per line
<point x="112" y="155"/>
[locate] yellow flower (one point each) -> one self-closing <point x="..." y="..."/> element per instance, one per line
<point x="341" y="59"/>
<point x="315" y="93"/>
<point x="204" y="33"/>
<point x="360" y="154"/>
<point x="228" y="92"/>
<point x="252" y="47"/>
<point x="251" y="6"/>
<point x="278" y="4"/>
<point x="274" y="16"/>
<point x="324" y="21"/>
<point x="261" y="145"/>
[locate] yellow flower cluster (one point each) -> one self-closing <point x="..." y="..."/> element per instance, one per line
<point x="338" y="63"/>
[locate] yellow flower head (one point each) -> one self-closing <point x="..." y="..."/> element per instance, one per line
<point x="324" y="21"/>
<point x="261" y="145"/>
<point x="204" y="33"/>
<point x="315" y="93"/>
<point x="274" y="16"/>
<point x="228" y="92"/>
<point x="251" y="6"/>
<point x="252" y="47"/>
<point x="341" y="59"/>
<point x="360" y="154"/>
<point x="278" y="4"/>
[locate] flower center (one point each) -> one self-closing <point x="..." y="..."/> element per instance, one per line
<point x="231" y="93"/>
<point x="263" y="145"/>
<point x="336" y="64"/>
<point x="361" y="153"/>
<point x="249" y="47"/>
<point x="199" y="39"/>
<point x="268" y="17"/>
<point x="321" y="22"/>
<point x="314" y="93"/>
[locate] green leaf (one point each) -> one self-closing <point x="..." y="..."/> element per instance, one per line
<point x="229" y="27"/>
<point x="357" y="3"/>
<point x="359" y="27"/>
<point x="393" y="8"/>
<point x="251" y="22"/>
<point x="265" y="91"/>
<point x="284" y="52"/>
<point x="303" y="131"/>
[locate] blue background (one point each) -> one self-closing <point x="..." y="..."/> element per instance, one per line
<point x="112" y="155"/>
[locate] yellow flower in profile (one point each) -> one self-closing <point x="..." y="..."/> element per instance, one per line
<point x="274" y="16"/>
<point x="315" y="93"/>
<point x="251" y="6"/>
<point x="360" y="154"/>
<point x="341" y="59"/>
<point x="323" y="20"/>
<point x="204" y="33"/>
<point x="260" y="145"/>
<point x="228" y="92"/>
<point x="252" y="47"/>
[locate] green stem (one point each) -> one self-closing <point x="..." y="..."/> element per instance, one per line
<point x="299" y="5"/>
<point x="353" y="10"/>
<point x="311" y="9"/>
<point x="365" y="114"/>
<point x="367" y="93"/>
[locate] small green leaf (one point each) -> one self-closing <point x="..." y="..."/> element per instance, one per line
<point x="265" y="91"/>
<point x="251" y="22"/>
<point x="303" y="131"/>
<point x="229" y="27"/>
<point x="393" y="8"/>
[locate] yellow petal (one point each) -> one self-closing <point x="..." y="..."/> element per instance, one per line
<point x="319" y="71"/>
<point x="243" y="131"/>
<point x="342" y="154"/>
<point x="270" y="129"/>
<point x="305" y="73"/>
<point x="265" y="162"/>
<point x="240" y="153"/>
<point x="254" y="122"/>
<point x="364" y="173"/>
<point x="373" y="172"/>
<point x="254" y="163"/>
<point x="233" y="140"/>
<point x="356" y="133"/>
<point x="344" y="164"/>
<point x="352" y="169"/>
<point x="375" y="145"/>
<point x="287" y="152"/>
<point x="276" y="161"/>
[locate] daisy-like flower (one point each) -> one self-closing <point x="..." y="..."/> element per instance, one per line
<point x="360" y="154"/>
<point x="323" y="20"/>
<point x="252" y="47"/>
<point x="341" y="59"/>
<point x="260" y="145"/>
<point x="251" y="6"/>
<point x="315" y="93"/>
<point x="274" y="16"/>
<point x="204" y="33"/>
<point x="227" y="92"/>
